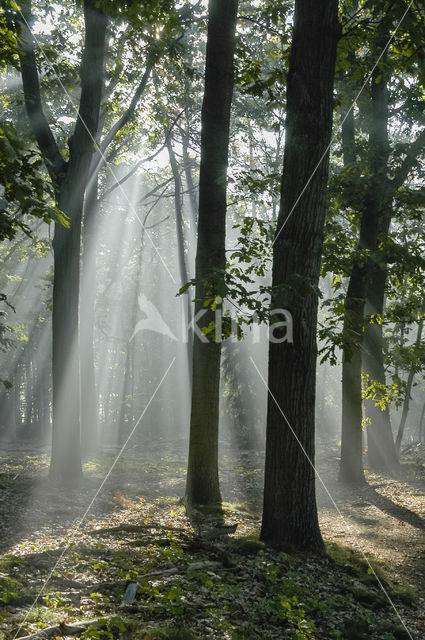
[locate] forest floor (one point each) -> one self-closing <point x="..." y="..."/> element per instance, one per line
<point x="196" y="582"/>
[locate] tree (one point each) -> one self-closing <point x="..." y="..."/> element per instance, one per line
<point x="70" y="180"/>
<point x="362" y="335"/>
<point x="289" y="511"/>
<point x="202" y="476"/>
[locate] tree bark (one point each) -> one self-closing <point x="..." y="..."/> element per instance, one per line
<point x="290" y="512"/>
<point x="202" y="477"/>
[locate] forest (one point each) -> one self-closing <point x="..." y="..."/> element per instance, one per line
<point x="212" y="352"/>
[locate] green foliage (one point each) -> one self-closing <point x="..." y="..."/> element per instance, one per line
<point x="105" y="628"/>
<point x="24" y="187"/>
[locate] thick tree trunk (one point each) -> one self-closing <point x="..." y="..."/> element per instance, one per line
<point x="65" y="465"/>
<point x="290" y="512"/>
<point x="202" y="477"/>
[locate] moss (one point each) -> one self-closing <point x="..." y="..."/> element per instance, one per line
<point x="405" y="593"/>
<point x="356" y="564"/>
<point x="247" y="545"/>
<point x="371" y="598"/>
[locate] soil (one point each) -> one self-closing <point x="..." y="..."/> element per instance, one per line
<point x="384" y="519"/>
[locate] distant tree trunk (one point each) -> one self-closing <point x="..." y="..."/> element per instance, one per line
<point x="421" y="427"/>
<point x="202" y="476"/>
<point x="351" y="465"/>
<point x="409" y="384"/>
<point x="178" y="206"/>
<point x="366" y="288"/>
<point x="89" y="398"/>
<point x="290" y="512"/>
<point x="381" y="450"/>
<point x="70" y="179"/>
<point x="191" y="188"/>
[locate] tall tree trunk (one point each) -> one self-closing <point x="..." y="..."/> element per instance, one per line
<point x="381" y="450"/>
<point x="409" y="384"/>
<point x="70" y="179"/>
<point x="366" y="288"/>
<point x="290" y="512"/>
<point x="351" y="465"/>
<point x="202" y="476"/>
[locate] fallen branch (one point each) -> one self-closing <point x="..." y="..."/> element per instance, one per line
<point x="133" y="528"/>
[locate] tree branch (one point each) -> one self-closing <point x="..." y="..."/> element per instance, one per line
<point x="92" y="74"/>
<point x="412" y="157"/>
<point x="54" y="161"/>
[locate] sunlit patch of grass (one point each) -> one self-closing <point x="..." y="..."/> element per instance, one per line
<point x="351" y="558"/>
<point x="239" y="507"/>
<point x="364" y="568"/>
<point x="24" y="463"/>
<point x="41" y="616"/>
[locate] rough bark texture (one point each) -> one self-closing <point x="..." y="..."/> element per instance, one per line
<point x="202" y="477"/>
<point x="290" y="513"/>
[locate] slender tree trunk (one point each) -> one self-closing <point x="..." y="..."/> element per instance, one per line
<point x="202" y="477"/>
<point x="351" y="465"/>
<point x="192" y="191"/>
<point x="290" y="512"/>
<point x="409" y="384"/>
<point x="184" y="276"/>
<point x="381" y="449"/>
<point x="421" y="428"/>
<point x="366" y="291"/>
<point x="89" y="397"/>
